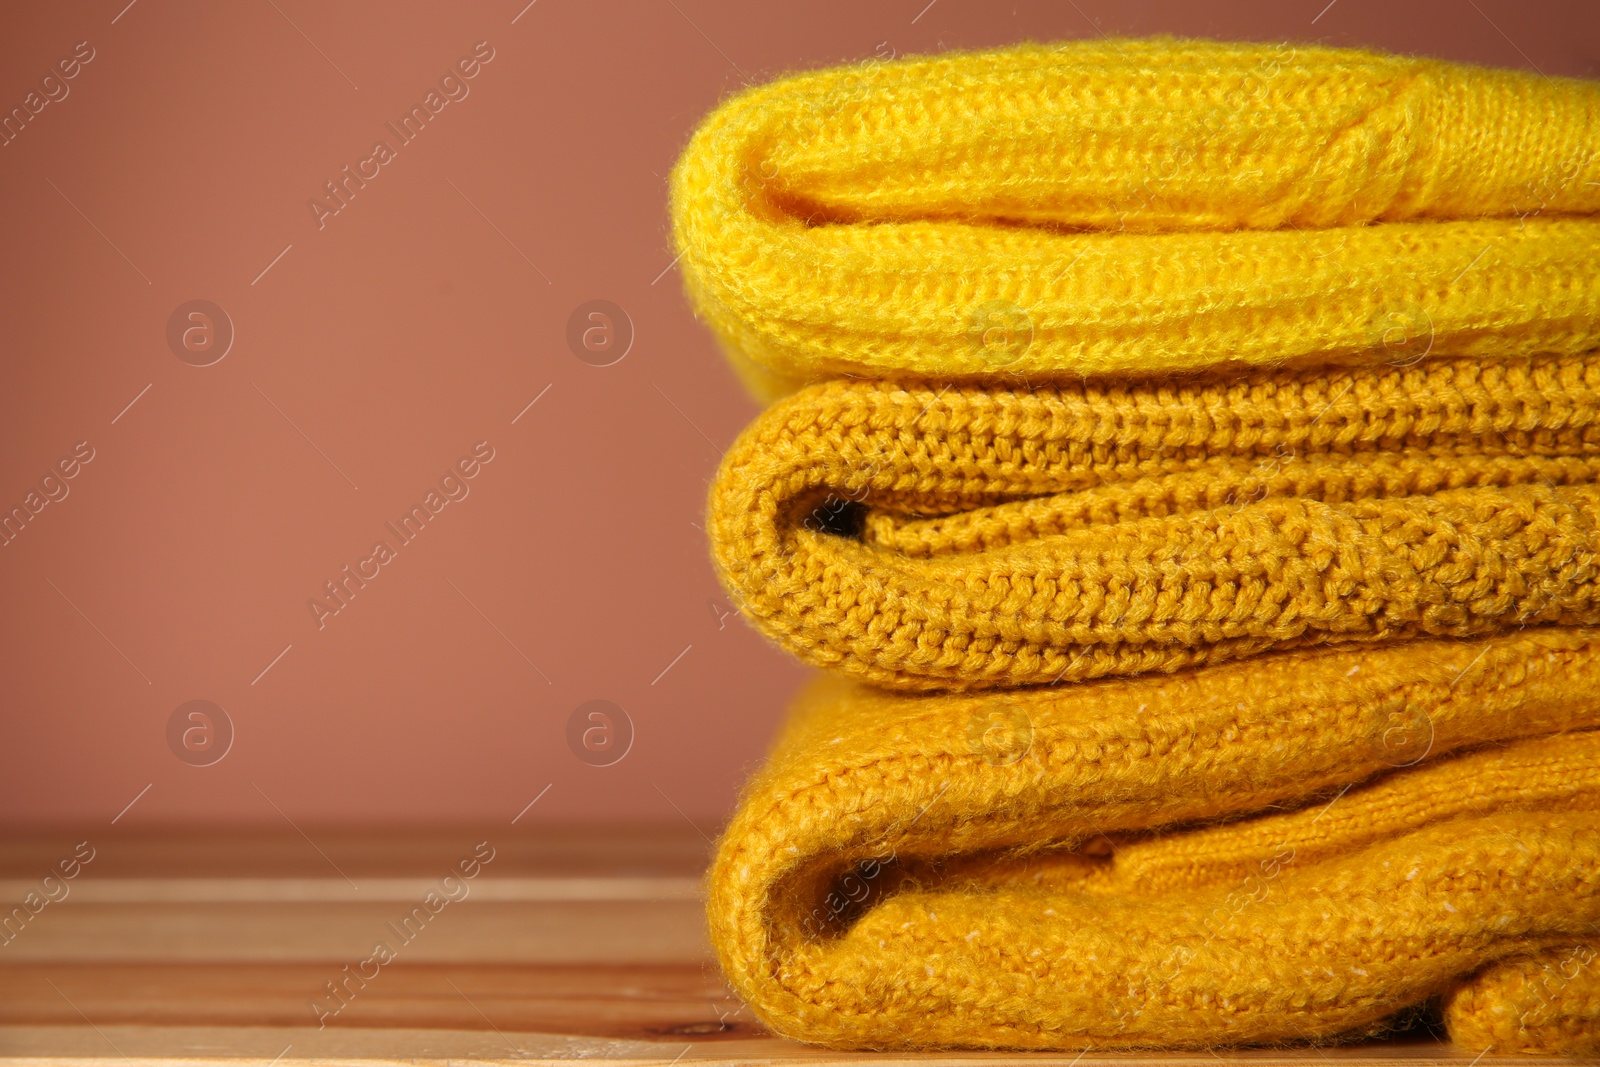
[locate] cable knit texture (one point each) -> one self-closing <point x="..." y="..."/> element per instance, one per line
<point x="1141" y="205"/>
<point x="1294" y="847"/>
<point x="1007" y="538"/>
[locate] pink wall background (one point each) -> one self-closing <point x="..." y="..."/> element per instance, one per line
<point x="373" y="348"/>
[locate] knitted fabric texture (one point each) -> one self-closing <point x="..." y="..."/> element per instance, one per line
<point x="921" y="536"/>
<point x="1544" y="1003"/>
<point x="1293" y="847"/>
<point x="1250" y="706"/>
<point x="1141" y="205"/>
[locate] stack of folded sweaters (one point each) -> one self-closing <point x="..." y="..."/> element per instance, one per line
<point x="1184" y="461"/>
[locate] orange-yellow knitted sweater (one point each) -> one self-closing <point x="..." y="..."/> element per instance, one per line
<point x="1137" y="206"/>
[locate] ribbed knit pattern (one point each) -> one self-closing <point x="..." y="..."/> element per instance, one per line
<point x="1141" y="205"/>
<point x="1019" y="538"/>
<point x="1289" y="848"/>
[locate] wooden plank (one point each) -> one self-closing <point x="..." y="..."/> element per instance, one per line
<point x="605" y="931"/>
<point x="572" y="943"/>
<point x="570" y="851"/>
<point x="334" y="890"/>
<point x="633" y="1002"/>
<point x="139" y="1046"/>
<point x="565" y="895"/>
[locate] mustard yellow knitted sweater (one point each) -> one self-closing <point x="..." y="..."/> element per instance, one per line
<point x="1141" y="205"/>
<point x="921" y="536"/>
<point x="1288" y="848"/>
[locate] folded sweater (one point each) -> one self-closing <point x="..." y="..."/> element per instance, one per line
<point x="1295" y="847"/>
<point x="1141" y="205"/>
<point x="933" y="536"/>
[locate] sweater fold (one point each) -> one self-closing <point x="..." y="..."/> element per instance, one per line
<point x="1285" y="849"/>
<point x="1141" y="206"/>
<point x="929" y="536"/>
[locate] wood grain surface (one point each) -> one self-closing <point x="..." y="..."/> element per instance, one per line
<point x="585" y="943"/>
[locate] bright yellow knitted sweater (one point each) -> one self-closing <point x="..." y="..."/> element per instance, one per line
<point x="923" y="536"/>
<point x="1141" y="205"/>
<point x="1253" y="852"/>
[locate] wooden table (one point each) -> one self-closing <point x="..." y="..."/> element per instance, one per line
<point x="583" y="943"/>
